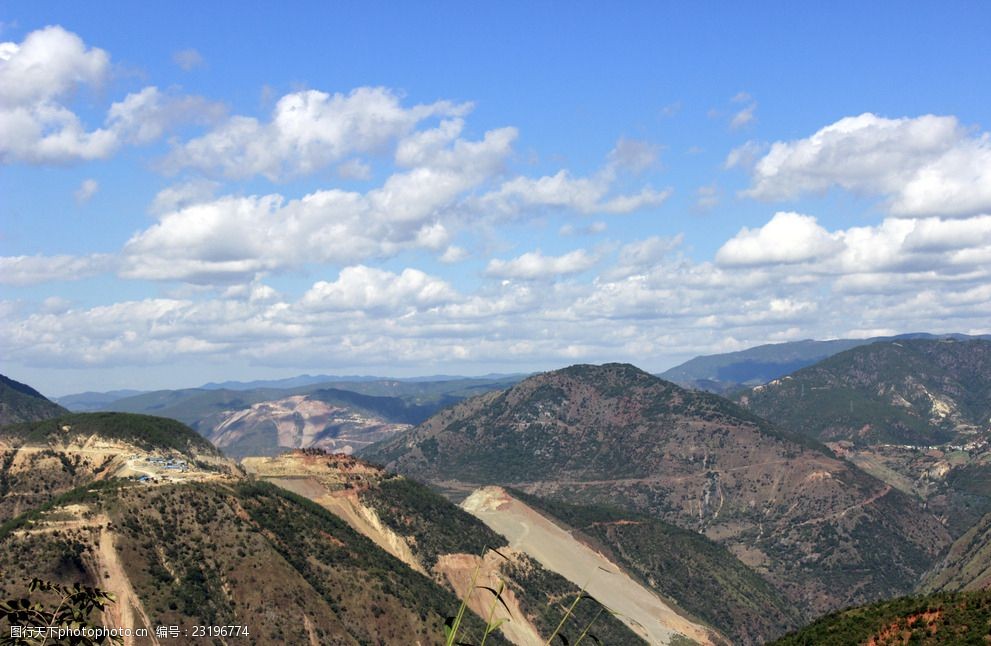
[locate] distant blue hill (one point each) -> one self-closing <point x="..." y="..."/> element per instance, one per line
<point x="93" y="401"/>
<point x="309" y="380"/>
<point x="723" y="373"/>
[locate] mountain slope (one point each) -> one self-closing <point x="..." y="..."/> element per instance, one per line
<point x="758" y="365"/>
<point x="699" y="575"/>
<point x="821" y="530"/>
<point x="939" y="619"/>
<point x="22" y="403"/>
<point x="655" y="619"/>
<point x="919" y="392"/>
<point x="967" y="564"/>
<point x="911" y="412"/>
<point x="439" y="540"/>
<point x="40" y="460"/>
<point x="245" y="554"/>
<point x="342" y="416"/>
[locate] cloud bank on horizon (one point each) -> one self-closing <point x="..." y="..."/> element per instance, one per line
<point x="353" y="228"/>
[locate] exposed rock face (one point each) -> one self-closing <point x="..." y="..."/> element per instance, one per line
<point x="298" y="421"/>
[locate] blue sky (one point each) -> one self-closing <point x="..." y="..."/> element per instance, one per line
<point x="193" y="193"/>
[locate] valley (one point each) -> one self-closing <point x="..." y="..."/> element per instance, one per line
<point x="691" y="517"/>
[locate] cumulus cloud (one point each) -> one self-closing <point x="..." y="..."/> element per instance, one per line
<point x="179" y="196"/>
<point x="454" y="254"/>
<point x="86" y="191"/>
<point x="788" y="238"/>
<point x="232" y="238"/>
<point x="928" y="165"/>
<point x="48" y="64"/>
<point x="536" y="266"/>
<point x="307" y="131"/>
<point x="142" y="117"/>
<point x="31" y="270"/>
<point x="366" y="289"/>
<point x="37" y="78"/>
<point x="645" y="299"/>
<point x="891" y="256"/>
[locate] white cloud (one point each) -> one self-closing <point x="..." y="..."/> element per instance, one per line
<point x="187" y="59"/>
<point x="354" y="169"/>
<point x="34" y="76"/>
<point x="744" y="116"/>
<point x="928" y="165"/>
<point x="745" y="156"/>
<point x="594" y="228"/>
<point x="536" y="266"/>
<point x="86" y="191"/>
<point x="646" y="300"/>
<point x="308" y="130"/>
<point x="233" y="238"/>
<point x="586" y="195"/>
<point x="37" y="78"/>
<point x="788" y="238"/>
<point x="31" y="270"/>
<point x="142" y="117"/>
<point x="454" y="254"/>
<point x="179" y="196"/>
<point x="368" y="289"/>
<point x="48" y="64"/>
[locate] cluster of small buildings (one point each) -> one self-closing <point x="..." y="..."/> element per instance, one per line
<point x="172" y="464"/>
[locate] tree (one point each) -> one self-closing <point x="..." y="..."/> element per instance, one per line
<point x="33" y="623"/>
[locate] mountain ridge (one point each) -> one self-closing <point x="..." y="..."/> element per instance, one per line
<point x="613" y="434"/>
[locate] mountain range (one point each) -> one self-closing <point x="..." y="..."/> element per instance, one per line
<point x="697" y="519"/>
<point x="732" y="371"/>
<point x="822" y="531"/>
